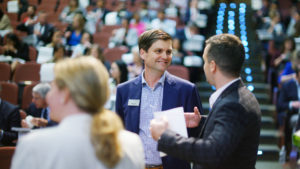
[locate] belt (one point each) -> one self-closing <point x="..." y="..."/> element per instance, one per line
<point x="154" y="167"/>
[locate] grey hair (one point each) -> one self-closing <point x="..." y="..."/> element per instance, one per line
<point x="42" y="89"/>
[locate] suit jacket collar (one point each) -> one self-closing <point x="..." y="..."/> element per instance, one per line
<point x="231" y="87"/>
<point x="169" y="92"/>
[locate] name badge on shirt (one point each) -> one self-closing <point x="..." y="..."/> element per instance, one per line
<point x="133" y="102"/>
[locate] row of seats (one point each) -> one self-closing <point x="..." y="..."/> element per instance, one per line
<point x="10" y="92"/>
<point x="28" y="71"/>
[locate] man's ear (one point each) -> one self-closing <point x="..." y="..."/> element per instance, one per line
<point x="212" y="66"/>
<point x="142" y="53"/>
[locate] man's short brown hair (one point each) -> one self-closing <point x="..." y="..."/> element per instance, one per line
<point x="149" y="37"/>
<point x="228" y="52"/>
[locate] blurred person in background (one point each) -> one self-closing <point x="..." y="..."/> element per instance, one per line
<point x="85" y="42"/>
<point x="124" y="36"/>
<point x="97" y="52"/>
<point x="38" y="112"/>
<point x="75" y="31"/>
<point x="59" y="53"/>
<point x="15" y="48"/>
<point x="119" y="74"/>
<point x="43" y="30"/>
<point x="55" y="39"/>
<point x="69" y="12"/>
<point x="29" y="20"/>
<point x="5" y="24"/>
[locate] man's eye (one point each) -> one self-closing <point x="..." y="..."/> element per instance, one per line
<point x="158" y="51"/>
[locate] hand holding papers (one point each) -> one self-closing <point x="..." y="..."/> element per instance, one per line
<point x="172" y="119"/>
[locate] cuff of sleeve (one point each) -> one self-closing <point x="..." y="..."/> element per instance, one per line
<point x="1" y="134"/>
<point x="290" y="105"/>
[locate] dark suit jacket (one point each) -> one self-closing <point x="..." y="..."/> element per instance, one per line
<point x="177" y="92"/>
<point x="35" y="112"/>
<point x="229" y="137"/>
<point x="9" y="117"/>
<point x="47" y="34"/>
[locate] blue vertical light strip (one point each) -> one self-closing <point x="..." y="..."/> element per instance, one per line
<point x="220" y="18"/>
<point x="244" y="39"/>
<point x="231" y="19"/>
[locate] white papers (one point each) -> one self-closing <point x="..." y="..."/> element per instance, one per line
<point x="47" y="72"/>
<point x="176" y="120"/>
<point x="45" y="54"/>
<point x="12" y="7"/>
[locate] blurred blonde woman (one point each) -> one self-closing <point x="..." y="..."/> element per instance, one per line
<point x="88" y="136"/>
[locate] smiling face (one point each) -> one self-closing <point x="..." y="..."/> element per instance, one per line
<point x="158" y="57"/>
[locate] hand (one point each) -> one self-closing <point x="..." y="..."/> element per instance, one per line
<point x="39" y="122"/>
<point x="296" y="104"/>
<point x="158" y="127"/>
<point x="68" y="34"/>
<point x="192" y="119"/>
<point x="24" y="124"/>
<point x="37" y="33"/>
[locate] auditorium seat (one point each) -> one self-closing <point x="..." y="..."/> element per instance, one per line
<point x="5" y="71"/>
<point x="109" y="28"/>
<point x="27" y="95"/>
<point x="12" y="16"/>
<point x="6" y="154"/>
<point x="30" y="71"/>
<point x="9" y="92"/>
<point x="179" y="71"/>
<point x="102" y="39"/>
<point x="113" y="54"/>
<point x="32" y="53"/>
<point x="59" y="25"/>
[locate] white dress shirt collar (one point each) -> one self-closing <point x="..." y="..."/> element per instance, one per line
<point x="217" y="93"/>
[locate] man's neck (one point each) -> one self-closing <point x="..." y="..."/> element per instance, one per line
<point x="222" y="80"/>
<point x="152" y="77"/>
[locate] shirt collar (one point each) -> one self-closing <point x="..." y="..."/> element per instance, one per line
<point x="217" y="93"/>
<point x="161" y="80"/>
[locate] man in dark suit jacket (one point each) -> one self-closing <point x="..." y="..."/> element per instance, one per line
<point x="9" y="117"/>
<point x="230" y="135"/>
<point x="154" y="90"/>
<point x="38" y="110"/>
<point x="43" y="30"/>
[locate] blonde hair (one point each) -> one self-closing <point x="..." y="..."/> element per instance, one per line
<point x="86" y="79"/>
